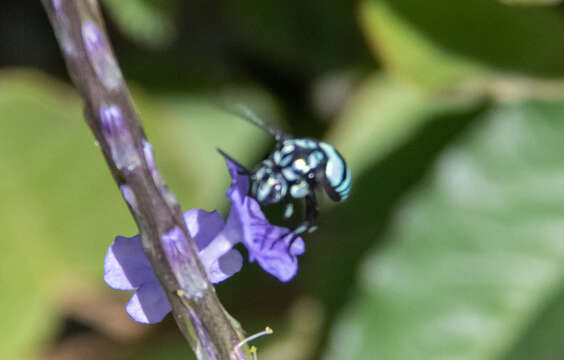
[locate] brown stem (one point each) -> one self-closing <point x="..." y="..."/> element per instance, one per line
<point x="79" y="29"/>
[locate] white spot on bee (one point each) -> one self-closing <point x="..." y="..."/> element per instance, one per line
<point x="286" y="149"/>
<point x="260" y="173"/>
<point x="299" y="190"/>
<point x="286" y="160"/>
<point x="289" y="174"/>
<point x="277" y="157"/>
<point x="301" y="165"/>
<point x="315" y="158"/>
<point x="263" y="191"/>
<point x="288" y="211"/>
<point x="311" y="143"/>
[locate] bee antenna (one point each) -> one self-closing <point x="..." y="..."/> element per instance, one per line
<point x="249" y="115"/>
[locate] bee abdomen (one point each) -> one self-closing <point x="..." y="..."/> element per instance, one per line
<point x="336" y="171"/>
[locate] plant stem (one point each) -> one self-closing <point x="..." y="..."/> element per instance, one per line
<point x="90" y="61"/>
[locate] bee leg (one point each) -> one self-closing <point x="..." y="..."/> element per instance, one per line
<point x="312" y="213"/>
<point x="288" y="210"/>
<point x="310" y="223"/>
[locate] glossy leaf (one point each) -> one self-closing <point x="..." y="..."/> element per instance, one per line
<point x="474" y="254"/>
<point x="436" y="44"/>
<point x="383" y="113"/>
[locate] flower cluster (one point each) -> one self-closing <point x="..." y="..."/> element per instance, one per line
<point x="273" y="247"/>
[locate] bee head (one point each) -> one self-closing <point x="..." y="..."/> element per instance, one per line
<point x="268" y="187"/>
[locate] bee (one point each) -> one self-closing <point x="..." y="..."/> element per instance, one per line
<point x="295" y="170"/>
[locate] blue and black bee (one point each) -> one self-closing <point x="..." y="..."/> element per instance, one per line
<point x="294" y="170"/>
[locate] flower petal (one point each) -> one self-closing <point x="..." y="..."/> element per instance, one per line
<point x="215" y="252"/>
<point x="271" y="248"/>
<point x="239" y="180"/>
<point x="226" y="266"/>
<point x="149" y="304"/>
<point x="203" y="226"/>
<point x="269" y="245"/>
<point x="125" y="265"/>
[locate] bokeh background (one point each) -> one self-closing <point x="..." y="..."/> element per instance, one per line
<point x="451" y="115"/>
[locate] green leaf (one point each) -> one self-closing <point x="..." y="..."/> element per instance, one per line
<point x="60" y="207"/>
<point x="384" y="113"/>
<point x="300" y="38"/>
<point x="531" y="2"/>
<point x="437" y="44"/>
<point x="474" y="254"/>
<point x="146" y="21"/>
<point x="543" y="339"/>
<point x="27" y="314"/>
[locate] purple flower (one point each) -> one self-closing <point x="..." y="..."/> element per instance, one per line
<point x="268" y="244"/>
<point x="127" y="268"/>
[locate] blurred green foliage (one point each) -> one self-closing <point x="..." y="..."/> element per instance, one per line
<point x="384" y="113"/>
<point x="531" y="2"/>
<point x="61" y="208"/>
<point x="473" y="253"/>
<point x="436" y="44"/>
<point x="41" y="141"/>
<point x="450" y="115"/>
<point x="147" y="22"/>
